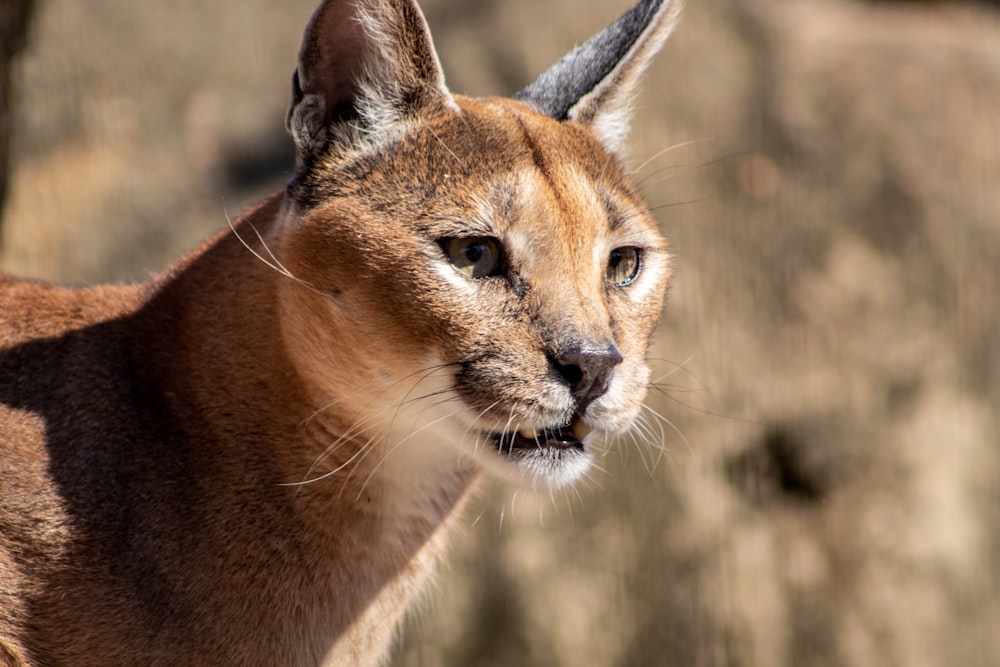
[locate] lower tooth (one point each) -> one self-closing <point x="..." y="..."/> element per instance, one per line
<point x="580" y="431"/>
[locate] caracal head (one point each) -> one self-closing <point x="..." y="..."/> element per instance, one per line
<point x="484" y="266"/>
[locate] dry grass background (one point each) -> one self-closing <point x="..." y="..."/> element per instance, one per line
<point x="827" y="489"/>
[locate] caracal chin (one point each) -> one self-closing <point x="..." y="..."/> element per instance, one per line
<point x="255" y="457"/>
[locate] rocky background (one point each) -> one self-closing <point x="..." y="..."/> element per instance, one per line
<point x="818" y="482"/>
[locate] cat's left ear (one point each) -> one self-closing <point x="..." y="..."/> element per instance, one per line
<point x="594" y="83"/>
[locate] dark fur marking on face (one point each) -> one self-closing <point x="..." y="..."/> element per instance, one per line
<point x="542" y="164"/>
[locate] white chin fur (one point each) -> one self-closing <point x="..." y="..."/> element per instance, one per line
<point x="541" y="468"/>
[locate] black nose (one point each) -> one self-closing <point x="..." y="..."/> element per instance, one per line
<point x="586" y="370"/>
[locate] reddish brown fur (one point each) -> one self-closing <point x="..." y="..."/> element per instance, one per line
<point x="255" y="459"/>
<point x="94" y="460"/>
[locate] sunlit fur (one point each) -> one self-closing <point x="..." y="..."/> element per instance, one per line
<point x="256" y="456"/>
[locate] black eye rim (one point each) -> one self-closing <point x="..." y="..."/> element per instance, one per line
<point x="636" y="270"/>
<point x="496" y="247"/>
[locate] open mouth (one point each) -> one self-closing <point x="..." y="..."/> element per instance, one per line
<point x="569" y="436"/>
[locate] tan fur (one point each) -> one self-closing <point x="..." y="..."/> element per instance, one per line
<point x="255" y="457"/>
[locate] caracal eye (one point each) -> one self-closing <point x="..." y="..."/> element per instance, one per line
<point x="475" y="257"/>
<point x="624" y="265"/>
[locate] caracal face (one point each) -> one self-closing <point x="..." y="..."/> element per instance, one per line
<point x="500" y="266"/>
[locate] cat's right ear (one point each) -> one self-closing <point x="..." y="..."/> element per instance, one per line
<point x="364" y="66"/>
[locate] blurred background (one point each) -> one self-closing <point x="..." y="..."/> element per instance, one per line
<point x="820" y="483"/>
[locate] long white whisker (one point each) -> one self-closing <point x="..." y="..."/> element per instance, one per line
<point x="668" y="149"/>
<point x="478" y="417"/>
<point x="273" y="263"/>
<point x="326" y="475"/>
<point x="672" y="426"/>
<point x="677" y="368"/>
<point x="359" y="425"/>
<point x="395" y="447"/>
<point x="277" y="267"/>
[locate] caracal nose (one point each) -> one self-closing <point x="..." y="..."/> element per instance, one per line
<point x="586" y="369"/>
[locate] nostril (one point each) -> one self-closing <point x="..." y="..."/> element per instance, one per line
<point x="572" y="373"/>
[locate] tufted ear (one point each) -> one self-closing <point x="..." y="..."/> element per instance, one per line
<point x="595" y="82"/>
<point x="364" y="66"/>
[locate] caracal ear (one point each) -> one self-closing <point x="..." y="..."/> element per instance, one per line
<point x="365" y="66"/>
<point x="595" y="82"/>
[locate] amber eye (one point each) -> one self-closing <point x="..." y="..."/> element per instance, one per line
<point x="624" y="265"/>
<point x="475" y="257"/>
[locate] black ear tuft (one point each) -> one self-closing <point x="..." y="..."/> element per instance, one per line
<point x="594" y="82"/>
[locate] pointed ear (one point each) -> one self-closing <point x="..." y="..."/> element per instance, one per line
<point x="594" y="83"/>
<point x="364" y="66"/>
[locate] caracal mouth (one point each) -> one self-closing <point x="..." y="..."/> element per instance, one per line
<point x="570" y="436"/>
<point x="536" y="457"/>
